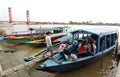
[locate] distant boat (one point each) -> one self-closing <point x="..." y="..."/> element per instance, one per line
<point x="107" y="36"/>
<point x="16" y="39"/>
<point x="41" y="42"/>
<point x="1" y="38"/>
<point x="38" y="35"/>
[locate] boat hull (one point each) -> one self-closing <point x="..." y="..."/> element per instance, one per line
<point x="76" y="64"/>
<point x="38" y="44"/>
<point x="17" y="41"/>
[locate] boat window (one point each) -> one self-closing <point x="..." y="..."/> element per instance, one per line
<point x="57" y="31"/>
<point x="76" y="36"/>
<point x="93" y="36"/>
<point x="66" y="30"/>
<point x="102" y="43"/>
<point x="116" y="36"/>
<point x="80" y="35"/>
<point x="70" y="41"/>
<point x="112" y="39"/>
<point x="108" y="41"/>
<point x="85" y="35"/>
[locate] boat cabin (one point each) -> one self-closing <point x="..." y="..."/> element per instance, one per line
<point x="103" y="38"/>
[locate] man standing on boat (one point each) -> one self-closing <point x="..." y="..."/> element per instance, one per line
<point x="48" y="44"/>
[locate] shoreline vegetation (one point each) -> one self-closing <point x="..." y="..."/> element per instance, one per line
<point x="62" y="23"/>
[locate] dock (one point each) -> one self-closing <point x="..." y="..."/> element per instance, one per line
<point x="118" y="71"/>
<point x="21" y="66"/>
<point x="118" y="68"/>
<point x="1" y="68"/>
<point x="12" y="64"/>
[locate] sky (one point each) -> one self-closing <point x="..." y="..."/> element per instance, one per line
<point x="62" y="10"/>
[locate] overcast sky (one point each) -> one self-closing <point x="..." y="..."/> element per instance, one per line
<point x="62" y="10"/>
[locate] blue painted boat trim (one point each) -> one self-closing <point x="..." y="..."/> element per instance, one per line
<point x="1" y="38"/>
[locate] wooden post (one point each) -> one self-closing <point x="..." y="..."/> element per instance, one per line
<point x="1" y="68"/>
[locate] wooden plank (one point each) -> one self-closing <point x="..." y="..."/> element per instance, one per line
<point x="6" y="64"/>
<point x="118" y="68"/>
<point x="15" y="62"/>
<point x="1" y="68"/>
<point x="18" y="55"/>
<point x="19" y="67"/>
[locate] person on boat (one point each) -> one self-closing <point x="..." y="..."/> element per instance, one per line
<point x="73" y="57"/>
<point x="48" y="43"/>
<point x="61" y="48"/>
<point x="82" y="49"/>
<point x="85" y="40"/>
<point x="92" y="48"/>
<point x="66" y="51"/>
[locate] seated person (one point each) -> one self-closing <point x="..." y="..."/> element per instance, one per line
<point x="73" y="57"/>
<point x="82" y="50"/>
<point x="85" y="40"/>
<point x="63" y="50"/>
<point x="66" y="51"/>
<point x="92" y="48"/>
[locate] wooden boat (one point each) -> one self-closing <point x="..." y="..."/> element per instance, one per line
<point x="16" y="39"/>
<point x="41" y="42"/>
<point x="57" y="32"/>
<point x="53" y="30"/>
<point x="107" y="36"/>
<point x="38" y="35"/>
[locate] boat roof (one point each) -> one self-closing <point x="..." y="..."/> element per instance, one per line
<point x="49" y="29"/>
<point x="65" y="38"/>
<point x="98" y="31"/>
<point x="52" y="28"/>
